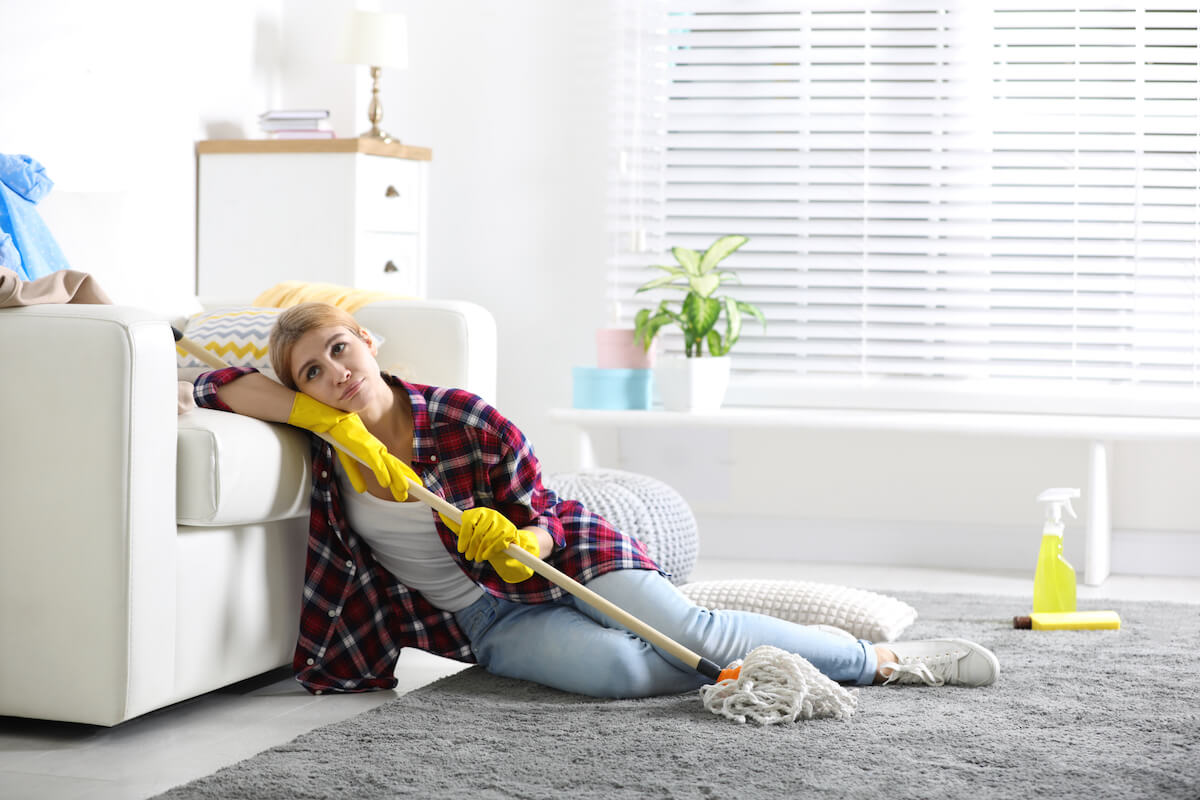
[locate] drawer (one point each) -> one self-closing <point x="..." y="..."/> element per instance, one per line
<point x="388" y="262"/>
<point x="388" y="194"/>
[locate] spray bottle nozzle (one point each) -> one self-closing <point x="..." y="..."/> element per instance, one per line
<point x="1056" y="500"/>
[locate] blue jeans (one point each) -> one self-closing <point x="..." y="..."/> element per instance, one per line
<point x="570" y="646"/>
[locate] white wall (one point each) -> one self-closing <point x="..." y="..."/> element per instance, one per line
<point x="111" y="97"/>
<point x="512" y="98"/>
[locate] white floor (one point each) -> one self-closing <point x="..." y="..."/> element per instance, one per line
<point x="171" y="746"/>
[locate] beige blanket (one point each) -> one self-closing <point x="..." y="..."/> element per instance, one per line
<point x="64" y="286"/>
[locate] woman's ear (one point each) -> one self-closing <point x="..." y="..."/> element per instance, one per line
<point x="368" y="341"/>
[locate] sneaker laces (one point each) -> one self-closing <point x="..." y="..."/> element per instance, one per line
<point x="930" y="670"/>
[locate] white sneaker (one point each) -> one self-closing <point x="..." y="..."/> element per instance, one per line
<point x="936" y="662"/>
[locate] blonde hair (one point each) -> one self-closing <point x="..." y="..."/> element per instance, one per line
<point x="296" y="321"/>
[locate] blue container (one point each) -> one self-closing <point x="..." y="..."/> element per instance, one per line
<point x="612" y="389"/>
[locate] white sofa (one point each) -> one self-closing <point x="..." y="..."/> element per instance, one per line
<point x="148" y="557"/>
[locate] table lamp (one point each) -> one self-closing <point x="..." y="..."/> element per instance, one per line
<point x="376" y="39"/>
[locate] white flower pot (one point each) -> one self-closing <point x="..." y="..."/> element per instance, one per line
<point x="692" y="384"/>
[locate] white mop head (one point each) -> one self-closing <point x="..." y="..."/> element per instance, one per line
<point x="777" y="686"/>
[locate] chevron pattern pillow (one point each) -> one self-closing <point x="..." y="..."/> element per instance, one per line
<point x="236" y="334"/>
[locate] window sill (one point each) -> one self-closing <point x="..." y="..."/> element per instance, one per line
<point x="1050" y="426"/>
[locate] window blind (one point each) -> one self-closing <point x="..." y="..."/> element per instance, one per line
<point x="943" y="198"/>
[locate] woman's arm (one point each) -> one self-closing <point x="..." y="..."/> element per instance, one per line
<point x="256" y="395"/>
<point x="545" y="540"/>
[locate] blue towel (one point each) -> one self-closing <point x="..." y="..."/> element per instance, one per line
<point x="26" y="246"/>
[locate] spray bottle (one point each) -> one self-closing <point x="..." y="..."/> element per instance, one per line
<point x="1054" y="580"/>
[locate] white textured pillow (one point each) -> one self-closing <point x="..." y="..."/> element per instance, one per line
<point x="867" y="615"/>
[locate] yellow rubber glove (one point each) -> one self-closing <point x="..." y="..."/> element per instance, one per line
<point x="345" y="428"/>
<point x="484" y="535"/>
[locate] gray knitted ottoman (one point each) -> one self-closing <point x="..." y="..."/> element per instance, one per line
<point x="640" y="506"/>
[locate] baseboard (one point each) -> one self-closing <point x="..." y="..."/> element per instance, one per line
<point x="936" y="545"/>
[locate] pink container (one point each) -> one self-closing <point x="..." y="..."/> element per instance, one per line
<point x="617" y="349"/>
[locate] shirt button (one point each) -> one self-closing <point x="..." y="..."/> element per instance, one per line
<point x="333" y="612"/>
<point x="324" y="474"/>
<point x="349" y="563"/>
<point x="433" y="458"/>
<point x="311" y="662"/>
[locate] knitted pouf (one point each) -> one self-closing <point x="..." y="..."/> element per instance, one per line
<point x="640" y="506"/>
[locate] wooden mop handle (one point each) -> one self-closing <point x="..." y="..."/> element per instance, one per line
<point x="572" y="586"/>
<point x="199" y="352"/>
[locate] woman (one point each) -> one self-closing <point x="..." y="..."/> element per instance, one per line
<point x="385" y="572"/>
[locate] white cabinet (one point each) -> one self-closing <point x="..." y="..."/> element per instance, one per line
<point x="350" y="212"/>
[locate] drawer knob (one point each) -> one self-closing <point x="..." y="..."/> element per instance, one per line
<point x="390" y="266"/>
<point x="391" y="192"/>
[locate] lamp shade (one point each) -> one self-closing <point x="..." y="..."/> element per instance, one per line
<point x="375" y="38"/>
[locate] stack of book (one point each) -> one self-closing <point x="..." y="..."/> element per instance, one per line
<point x="288" y="124"/>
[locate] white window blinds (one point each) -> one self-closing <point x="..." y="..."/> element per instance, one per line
<point x="968" y="198"/>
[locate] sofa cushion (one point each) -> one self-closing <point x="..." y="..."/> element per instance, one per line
<point x="233" y="470"/>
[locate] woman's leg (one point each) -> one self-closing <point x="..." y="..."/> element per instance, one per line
<point x="725" y="636"/>
<point x="555" y="645"/>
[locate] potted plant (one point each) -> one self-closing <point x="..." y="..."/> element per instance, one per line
<point x="696" y="382"/>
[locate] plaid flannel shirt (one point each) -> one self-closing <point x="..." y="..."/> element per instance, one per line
<point x="355" y="615"/>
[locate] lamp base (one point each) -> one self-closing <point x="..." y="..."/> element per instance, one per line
<point x="378" y="135"/>
<point x="375" y="113"/>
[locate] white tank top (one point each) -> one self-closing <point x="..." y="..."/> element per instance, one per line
<point x="405" y="542"/>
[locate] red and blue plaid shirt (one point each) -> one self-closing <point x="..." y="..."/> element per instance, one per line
<point x="356" y="616"/>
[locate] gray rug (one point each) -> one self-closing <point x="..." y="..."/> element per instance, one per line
<point x="1074" y="714"/>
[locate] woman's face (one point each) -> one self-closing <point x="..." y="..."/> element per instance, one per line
<point x="338" y="368"/>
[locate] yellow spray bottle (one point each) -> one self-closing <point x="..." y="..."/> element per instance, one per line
<point x="1054" y="580"/>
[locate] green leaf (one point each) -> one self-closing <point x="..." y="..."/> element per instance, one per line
<point x="647" y="328"/>
<point x="733" y="323"/>
<point x="661" y="280"/>
<point x="704" y="285"/>
<point x="714" y="344"/>
<point x="699" y="315"/>
<point x="639" y="321"/>
<point x="690" y="259"/>
<point x="719" y="250"/>
<point x="754" y="312"/>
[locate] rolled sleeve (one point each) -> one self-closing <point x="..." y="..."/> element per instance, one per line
<point x="209" y="383"/>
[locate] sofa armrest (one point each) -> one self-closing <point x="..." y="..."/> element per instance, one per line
<point x="88" y="498"/>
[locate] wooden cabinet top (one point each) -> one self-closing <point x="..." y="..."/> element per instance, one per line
<point x="372" y="147"/>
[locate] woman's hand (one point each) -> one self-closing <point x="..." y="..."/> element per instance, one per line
<point x="485" y="534"/>
<point x="345" y="428"/>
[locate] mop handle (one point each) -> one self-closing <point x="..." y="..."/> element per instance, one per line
<point x="199" y="352"/>
<point x="572" y="586"/>
<point x="568" y="584"/>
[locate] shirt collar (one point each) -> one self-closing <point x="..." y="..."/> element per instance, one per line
<point x="424" y="451"/>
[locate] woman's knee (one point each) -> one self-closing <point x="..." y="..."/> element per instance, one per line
<point x="628" y="672"/>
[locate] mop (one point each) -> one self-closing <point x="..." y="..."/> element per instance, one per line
<point x="769" y="686"/>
